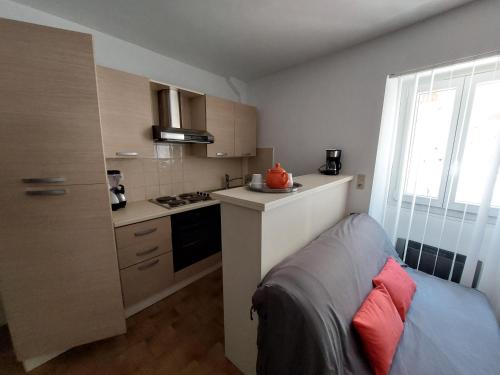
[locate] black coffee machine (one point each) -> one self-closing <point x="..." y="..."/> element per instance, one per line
<point x="333" y="164"/>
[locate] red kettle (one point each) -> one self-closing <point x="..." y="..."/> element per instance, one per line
<point x="277" y="177"/>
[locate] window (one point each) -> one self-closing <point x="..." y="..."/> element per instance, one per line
<point x="448" y="137"/>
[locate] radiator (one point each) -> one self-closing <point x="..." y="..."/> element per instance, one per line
<point x="428" y="263"/>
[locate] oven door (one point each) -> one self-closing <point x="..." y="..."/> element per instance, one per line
<point x="196" y="235"/>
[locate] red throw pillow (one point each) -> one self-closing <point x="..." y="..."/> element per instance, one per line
<point x="380" y="327"/>
<point x="399" y="284"/>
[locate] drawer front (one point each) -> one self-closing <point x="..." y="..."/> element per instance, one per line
<point x="137" y="234"/>
<point x="146" y="249"/>
<point x="147" y="278"/>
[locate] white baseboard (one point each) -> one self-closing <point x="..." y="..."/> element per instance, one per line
<point x="134" y="309"/>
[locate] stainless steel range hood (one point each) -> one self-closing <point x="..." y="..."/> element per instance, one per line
<point x="170" y="129"/>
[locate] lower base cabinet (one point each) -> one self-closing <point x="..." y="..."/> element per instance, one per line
<point x="146" y="254"/>
<point x="147" y="278"/>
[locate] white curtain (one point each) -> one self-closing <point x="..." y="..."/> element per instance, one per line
<point x="435" y="182"/>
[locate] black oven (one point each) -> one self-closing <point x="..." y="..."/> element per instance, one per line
<point x="196" y="234"/>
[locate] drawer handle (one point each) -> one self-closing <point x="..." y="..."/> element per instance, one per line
<point x="149" y="265"/>
<point x="44" y="180"/>
<point x="221" y="154"/>
<point x="145" y="252"/>
<point x="127" y="153"/>
<point x="247" y="154"/>
<point x="46" y="192"/>
<point x="145" y="232"/>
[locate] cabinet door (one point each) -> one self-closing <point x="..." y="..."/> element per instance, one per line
<point x="220" y="123"/>
<point x="126" y="113"/>
<point x="245" y="130"/>
<point x="60" y="279"/>
<point x="49" y="114"/>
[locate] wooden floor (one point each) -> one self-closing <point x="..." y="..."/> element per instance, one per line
<point x="182" y="334"/>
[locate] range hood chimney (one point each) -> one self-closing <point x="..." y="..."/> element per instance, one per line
<point x="169" y="108"/>
<point x="170" y="128"/>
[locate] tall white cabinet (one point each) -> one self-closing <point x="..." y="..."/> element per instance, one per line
<point x="59" y="275"/>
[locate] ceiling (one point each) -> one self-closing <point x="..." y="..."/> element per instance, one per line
<point x="246" y="39"/>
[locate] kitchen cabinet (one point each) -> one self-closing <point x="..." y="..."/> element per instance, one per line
<point x="233" y="125"/>
<point x="147" y="278"/>
<point x="49" y="118"/>
<point x="220" y="123"/>
<point x="138" y="242"/>
<point x="60" y="282"/>
<point x="145" y="258"/>
<point x="245" y="130"/>
<point x="126" y="113"/>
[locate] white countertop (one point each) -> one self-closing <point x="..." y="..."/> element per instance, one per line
<point x="135" y="212"/>
<point x="311" y="183"/>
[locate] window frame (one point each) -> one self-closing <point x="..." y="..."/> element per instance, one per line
<point x="460" y="119"/>
<point x="464" y="121"/>
<point x="405" y="126"/>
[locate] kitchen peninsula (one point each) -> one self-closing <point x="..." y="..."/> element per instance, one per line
<point x="258" y="231"/>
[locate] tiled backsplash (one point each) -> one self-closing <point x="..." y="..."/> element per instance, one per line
<point x="175" y="171"/>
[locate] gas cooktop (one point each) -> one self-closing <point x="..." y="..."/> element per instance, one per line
<point x="181" y="199"/>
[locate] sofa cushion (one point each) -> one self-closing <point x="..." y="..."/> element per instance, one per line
<point x="380" y="327"/>
<point x="399" y="285"/>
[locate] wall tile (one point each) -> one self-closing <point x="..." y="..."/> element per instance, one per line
<point x="135" y="194"/>
<point x="153" y="191"/>
<point x="163" y="151"/>
<point x="177" y="172"/>
<point x="165" y="190"/>
<point x="165" y="171"/>
<point x="178" y="188"/>
<point x="151" y="179"/>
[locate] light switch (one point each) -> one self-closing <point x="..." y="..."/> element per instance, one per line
<point x="360" y="181"/>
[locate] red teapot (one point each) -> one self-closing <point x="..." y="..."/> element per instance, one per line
<point x="277" y="177"/>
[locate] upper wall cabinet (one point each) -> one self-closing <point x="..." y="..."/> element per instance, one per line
<point x="245" y="130"/>
<point x="233" y="125"/>
<point x="220" y="123"/>
<point x="126" y="117"/>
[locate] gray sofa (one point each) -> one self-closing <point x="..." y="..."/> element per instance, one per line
<point x="306" y="304"/>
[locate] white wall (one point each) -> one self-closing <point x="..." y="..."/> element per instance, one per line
<point x="119" y="54"/>
<point x="336" y="101"/>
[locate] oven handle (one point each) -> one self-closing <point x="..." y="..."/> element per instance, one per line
<point x="189" y="244"/>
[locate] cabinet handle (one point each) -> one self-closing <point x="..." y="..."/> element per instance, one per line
<point x="145" y="252"/>
<point x="44" y="180"/>
<point x="144" y="232"/>
<point x="247" y="154"/>
<point x="221" y="154"/>
<point x="46" y="192"/>
<point x="127" y="153"/>
<point x="149" y="265"/>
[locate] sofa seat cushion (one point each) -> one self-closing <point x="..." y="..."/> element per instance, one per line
<point x="449" y="330"/>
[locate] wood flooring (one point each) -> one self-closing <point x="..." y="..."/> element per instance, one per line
<point x="182" y="334"/>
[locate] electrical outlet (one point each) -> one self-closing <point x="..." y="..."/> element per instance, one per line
<point x="360" y="181"/>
